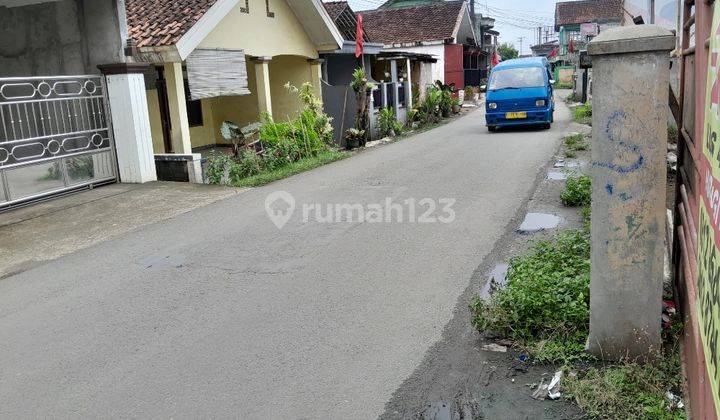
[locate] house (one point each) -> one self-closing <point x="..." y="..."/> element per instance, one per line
<point x="571" y="16"/>
<point x="218" y="60"/>
<point x="442" y="29"/>
<point x="338" y="67"/>
<point x="99" y="91"/>
<point x="488" y="36"/>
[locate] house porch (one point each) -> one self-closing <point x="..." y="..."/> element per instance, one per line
<point x="183" y="129"/>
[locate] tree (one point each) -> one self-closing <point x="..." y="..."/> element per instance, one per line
<point x="507" y="51"/>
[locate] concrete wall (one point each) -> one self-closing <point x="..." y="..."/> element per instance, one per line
<point x="260" y="35"/>
<point x="340" y="68"/>
<point x="66" y="37"/>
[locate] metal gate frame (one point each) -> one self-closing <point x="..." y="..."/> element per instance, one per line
<point x="689" y="112"/>
<point x="55" y="119"/>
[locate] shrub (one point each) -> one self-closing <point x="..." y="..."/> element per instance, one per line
<point x="583" y="114"/>
<point x="672" y="133"/>
<point x="306" y="135"/>
<point x="469" y="92"/>
<point x="446" y="103"/>
<point x="576" y="142"/>
<point x="218" y="167"/>
<point x="577" y="192"/>
<point x="429" y="110"/>
<point x="545" y="305"/>
<point x="629" y="390"/>
<point x="388" y="124"/>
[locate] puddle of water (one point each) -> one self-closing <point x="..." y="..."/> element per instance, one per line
<point x="496" y="280"/>
<point x="557" y="175"/>
<point x="455" y="410"/>
<point x="535" y="222"/>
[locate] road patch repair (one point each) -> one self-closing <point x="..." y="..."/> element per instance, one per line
<point x="48" y="230"/>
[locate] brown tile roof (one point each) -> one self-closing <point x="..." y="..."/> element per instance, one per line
<point x="428" y="22"/>
<point x="163" y="22"/>
<point x="335" y="8"/>
<point x="344" y="18"/>
<point x="576" y="12"/>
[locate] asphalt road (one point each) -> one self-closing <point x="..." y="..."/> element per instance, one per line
<point x="217" y="312"/>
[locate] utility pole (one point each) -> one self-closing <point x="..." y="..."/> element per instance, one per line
<point x="521" y="45"/>
<point x="652" y="11"/>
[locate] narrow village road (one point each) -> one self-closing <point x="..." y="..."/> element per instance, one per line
<point x="218" y="313"/>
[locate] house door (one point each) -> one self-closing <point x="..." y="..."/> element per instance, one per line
<point x="55" y="137"/>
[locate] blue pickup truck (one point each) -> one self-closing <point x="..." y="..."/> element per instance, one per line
<point x="519" y="92"/>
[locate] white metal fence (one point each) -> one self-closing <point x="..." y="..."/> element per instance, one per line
<point x="55" y="136"/>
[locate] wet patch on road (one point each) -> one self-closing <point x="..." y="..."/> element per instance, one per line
<point x="536" y="222"/>
<point x="496" y="280"/>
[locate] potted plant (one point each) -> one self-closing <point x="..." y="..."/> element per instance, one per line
<point x="456" y="106"/>
<point x="353" y="138"/>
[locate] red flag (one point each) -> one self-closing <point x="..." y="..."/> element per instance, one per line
<point x="571" y="47"/>
<point x="359" y="37"/>
<point x="553" y="53"/>
<point x="495" y="60"/>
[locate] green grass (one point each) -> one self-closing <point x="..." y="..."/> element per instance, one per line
<point x="291" y="169"/>
<point x="575" y="143"/>
<point x="582" y="114"/>
<point x="545" y="305"/>
<point x="577" y="192"/>
<point x="563" y="85"/>
<point x="672" y="133"/>
<point x="629" y="390"/>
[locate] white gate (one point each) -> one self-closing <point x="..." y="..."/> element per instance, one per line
<point x="55" y="136"/>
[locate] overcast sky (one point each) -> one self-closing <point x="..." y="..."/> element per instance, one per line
<point x="514" y="18"/>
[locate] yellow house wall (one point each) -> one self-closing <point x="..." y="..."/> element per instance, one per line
<point x="284" y="69"/>
<point x="260" y="35"/>
<point x="241" y="110"/>
<point x="199" y="136"/>
<point x="207" y="133"/>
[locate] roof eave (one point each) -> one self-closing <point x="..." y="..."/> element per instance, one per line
<point x="202" y="28"/>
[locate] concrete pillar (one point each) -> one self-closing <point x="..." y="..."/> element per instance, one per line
<point x="396" y="83"/>
<point x="262" y="80"/>
<point x="631" y="77"/>
<point x="316" y="75"/>
<point x="408" y="85"/>
<point x="177" y="106"/>
<point x="130" y="121"/>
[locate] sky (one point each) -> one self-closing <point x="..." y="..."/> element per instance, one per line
<point x="514" y="18"/>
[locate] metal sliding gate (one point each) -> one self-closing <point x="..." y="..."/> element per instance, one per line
<point x="55" y="136"/>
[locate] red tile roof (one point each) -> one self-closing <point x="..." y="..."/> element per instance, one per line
<point x="163" y="22"/>
<point x="577" y="12"/>
<point x="429" y="22"/>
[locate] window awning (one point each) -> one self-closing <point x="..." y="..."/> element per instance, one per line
<point x="216" y="72"/>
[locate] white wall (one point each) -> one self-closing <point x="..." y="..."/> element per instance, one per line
<point x="438" y="51"/>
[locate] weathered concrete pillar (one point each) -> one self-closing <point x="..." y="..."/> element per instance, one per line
<point x="316" y="75"/>
<point x="262" y="81"/>
<point x="177" y="107"/>
<point x="629" y="145"/>
<point x="408" y="85"/>
<point x="395" y="86"/>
